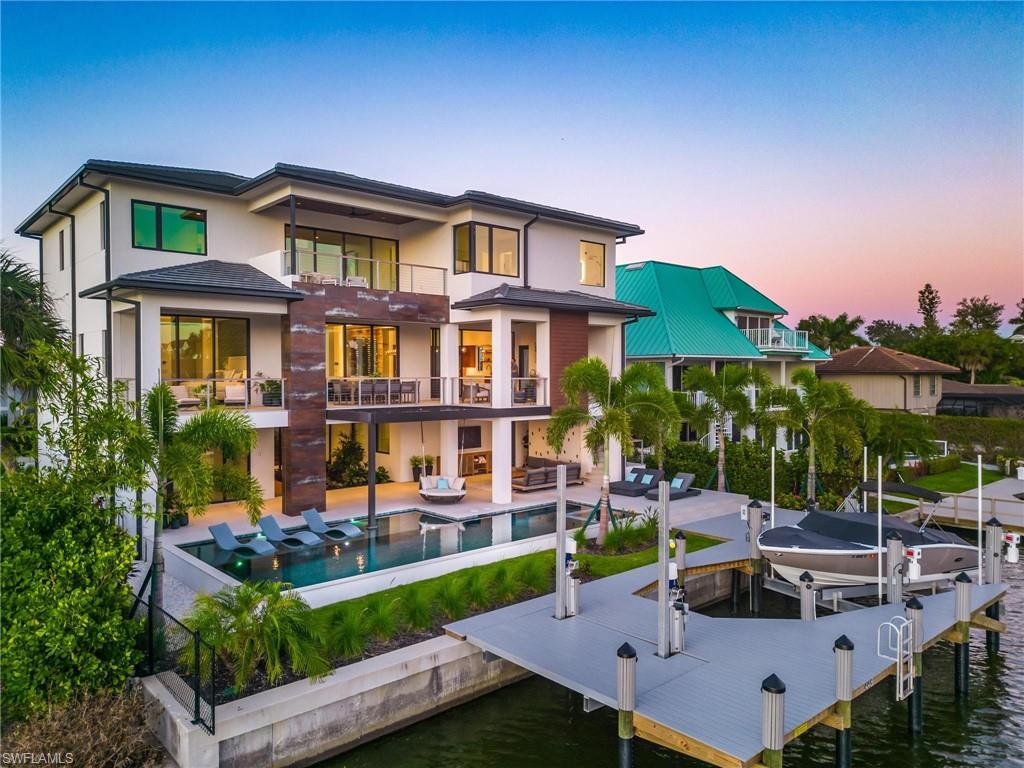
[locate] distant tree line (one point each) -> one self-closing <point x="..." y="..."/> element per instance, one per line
<point x="971" y="341"/>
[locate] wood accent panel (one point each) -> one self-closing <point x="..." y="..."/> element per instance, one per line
<point x="304" y="364"/>
<point x="568" y="343"/>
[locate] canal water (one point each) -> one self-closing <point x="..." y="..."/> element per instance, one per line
<point x="537" y="724"/>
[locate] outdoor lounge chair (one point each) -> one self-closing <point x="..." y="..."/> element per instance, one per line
<point x="442" y="490"/>
<point x="272" y="530"/>
<point x="185" y="400"/>
<point x="338" y="530"/>
<point x="226" y="540"/>
<point x="234" y="394"/>
<point x="637" y="482"/>
<point x="679" y="488"/>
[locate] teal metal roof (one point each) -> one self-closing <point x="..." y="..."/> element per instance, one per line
<point x="689" y="304"/>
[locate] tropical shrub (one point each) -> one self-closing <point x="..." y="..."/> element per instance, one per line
<point x="450" y="599"/>
<point x="105" y="730"/>
<point x="476" y="589"/>
<point x="968" y="434"/>
<point x="689" y="457"/>
<point x="64" y="628"/>
<point x="261" y="625"/>
<point x="417" y="608"/>
<point x="347" y="466"/>
<point x="381" y="616"/>
<point x="504" y="585"/>
<point x="747" y="467"/>
<point x="347" y="631"/>
<point x="943" y="464"/>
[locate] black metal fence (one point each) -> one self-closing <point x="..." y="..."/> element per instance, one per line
<point x="187" y="666"/>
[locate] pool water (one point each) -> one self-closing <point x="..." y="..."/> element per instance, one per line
<point x="402" y="538"/>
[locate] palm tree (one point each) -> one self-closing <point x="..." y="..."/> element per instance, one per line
<point x="826" y="412"/>
<point x="179" y="469"/>
<point x="28" y="316"/>
<point x="975" y="352"/>
<point x="835" y="334"/>
<point x="725" y="394"/>
<point x="901" y="433"/>
<point x="611" y="405"/>
<point x="655" y="417"/>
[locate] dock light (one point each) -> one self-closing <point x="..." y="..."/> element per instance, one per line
<point x="1012" y="552"/>
<point x="743" y="513"/>
<point x="673" y="576"/>
<point x="570" y="546"/>
<point x="913" y="555"/>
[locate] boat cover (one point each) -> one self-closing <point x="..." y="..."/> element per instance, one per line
<point x="791" y="537"/>
<point x="863" y="529"/>
<point x="871" y="486"/>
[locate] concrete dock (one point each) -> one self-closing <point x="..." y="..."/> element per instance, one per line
<point x="705" y="702"/>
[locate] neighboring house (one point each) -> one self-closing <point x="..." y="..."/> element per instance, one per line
<point x="962" y="399"/>
<point x="888" y="378"/>
<point x="329" y="305"/>
<point x="708" y="316"/>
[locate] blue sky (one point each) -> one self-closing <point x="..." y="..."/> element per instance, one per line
<point x="837" y="156"/>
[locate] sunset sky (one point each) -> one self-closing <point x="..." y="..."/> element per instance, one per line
<point x="835" y="156"/>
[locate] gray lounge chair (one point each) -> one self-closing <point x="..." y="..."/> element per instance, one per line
<point x="226" y="540"/>
<point x="634" y="485"/>
<point x="272" y="530"/>
<point x="679" y="488"/>
<point x="338" y="530"/>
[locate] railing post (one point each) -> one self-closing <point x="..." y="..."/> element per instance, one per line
<point x="197" y="680"/>
<point x="664" y="604"/>
<point x="894" y="567"/>
<point x="560" y="557"/>
<point x="150" y="632"/>
<point x="754" y="522"/>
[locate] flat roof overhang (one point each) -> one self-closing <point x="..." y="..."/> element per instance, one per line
<point x="404" y="413"/>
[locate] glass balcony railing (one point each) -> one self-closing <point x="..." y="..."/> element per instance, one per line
<point x="358" y="272"/>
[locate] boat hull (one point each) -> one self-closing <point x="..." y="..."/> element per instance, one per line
<point x="835" y="568"/>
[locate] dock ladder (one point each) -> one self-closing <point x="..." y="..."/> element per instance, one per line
<point x="896" y="643"/>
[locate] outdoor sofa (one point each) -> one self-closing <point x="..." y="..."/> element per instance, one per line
<point x="679" y="488"/>
<point x="442" y="490"/>
<point x="543" y="473"/>
<point x="638" y="482"/>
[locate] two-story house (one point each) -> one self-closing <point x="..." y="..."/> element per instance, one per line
<point x="707" y="316"/>
<point x="332" y="307"/>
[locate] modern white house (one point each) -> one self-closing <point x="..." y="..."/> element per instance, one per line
<point x="708" y="316"/>
<point x="333" y="307"/>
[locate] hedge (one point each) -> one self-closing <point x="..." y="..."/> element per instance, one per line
<point x="747" y="467"/>
<point x="945" y="464"/>
<point x="967" y="434"/>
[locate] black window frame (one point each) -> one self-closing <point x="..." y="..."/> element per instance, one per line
<point x="344" y="234"/>
<point x="473" y="224"/>
<point x="214" y="318"/>
<point x="159" y="227"/>
<point x="60" y="249"/>
<point x="604" y="264"/>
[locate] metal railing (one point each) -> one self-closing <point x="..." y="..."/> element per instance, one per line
<point x="360" y="272"/>
<point x="360" y="391"/>
<point x="397" y="390"/>
<point x="187" y="665"/>
<point x="777" y="338"/>
<point x="529" y="390"/>
<point x="473" y="390"/>
<point x="253" y="392"/>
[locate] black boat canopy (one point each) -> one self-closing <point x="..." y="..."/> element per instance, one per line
<point x="863" y="529"/>
<point x="871" y="486"/>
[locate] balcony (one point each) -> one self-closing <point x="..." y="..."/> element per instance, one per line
<point x="777" y="339"/>
<point x="357" y="272"/>
<point x="363" y="391"/>
<point x="256" y="393"/>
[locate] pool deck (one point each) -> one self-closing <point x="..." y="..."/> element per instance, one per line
<point x="705" y="702"/>
<point x="346" y="503"/>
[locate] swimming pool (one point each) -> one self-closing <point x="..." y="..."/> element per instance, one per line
<point x="403" y="538"/>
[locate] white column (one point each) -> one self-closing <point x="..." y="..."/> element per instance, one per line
<point x="150" y="330"/>
<point x="782" y="374"/>
<point x="449" y="451"/>
<point x="262" y="461"/>
<point x="543" y="366"/>
<point x="501" y="360"/>
<point x="449" y="361"/>
<point x="501" y="461"/>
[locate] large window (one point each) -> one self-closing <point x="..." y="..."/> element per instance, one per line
<point x="591" y="263"/>
<point x="344" y="254"/>
<point x="362" y="350"/>
<point x="203" y="347"/>
<point x="486" y="248"/>
<point x="753" y="322"/>
<point x="168" y="228"/>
